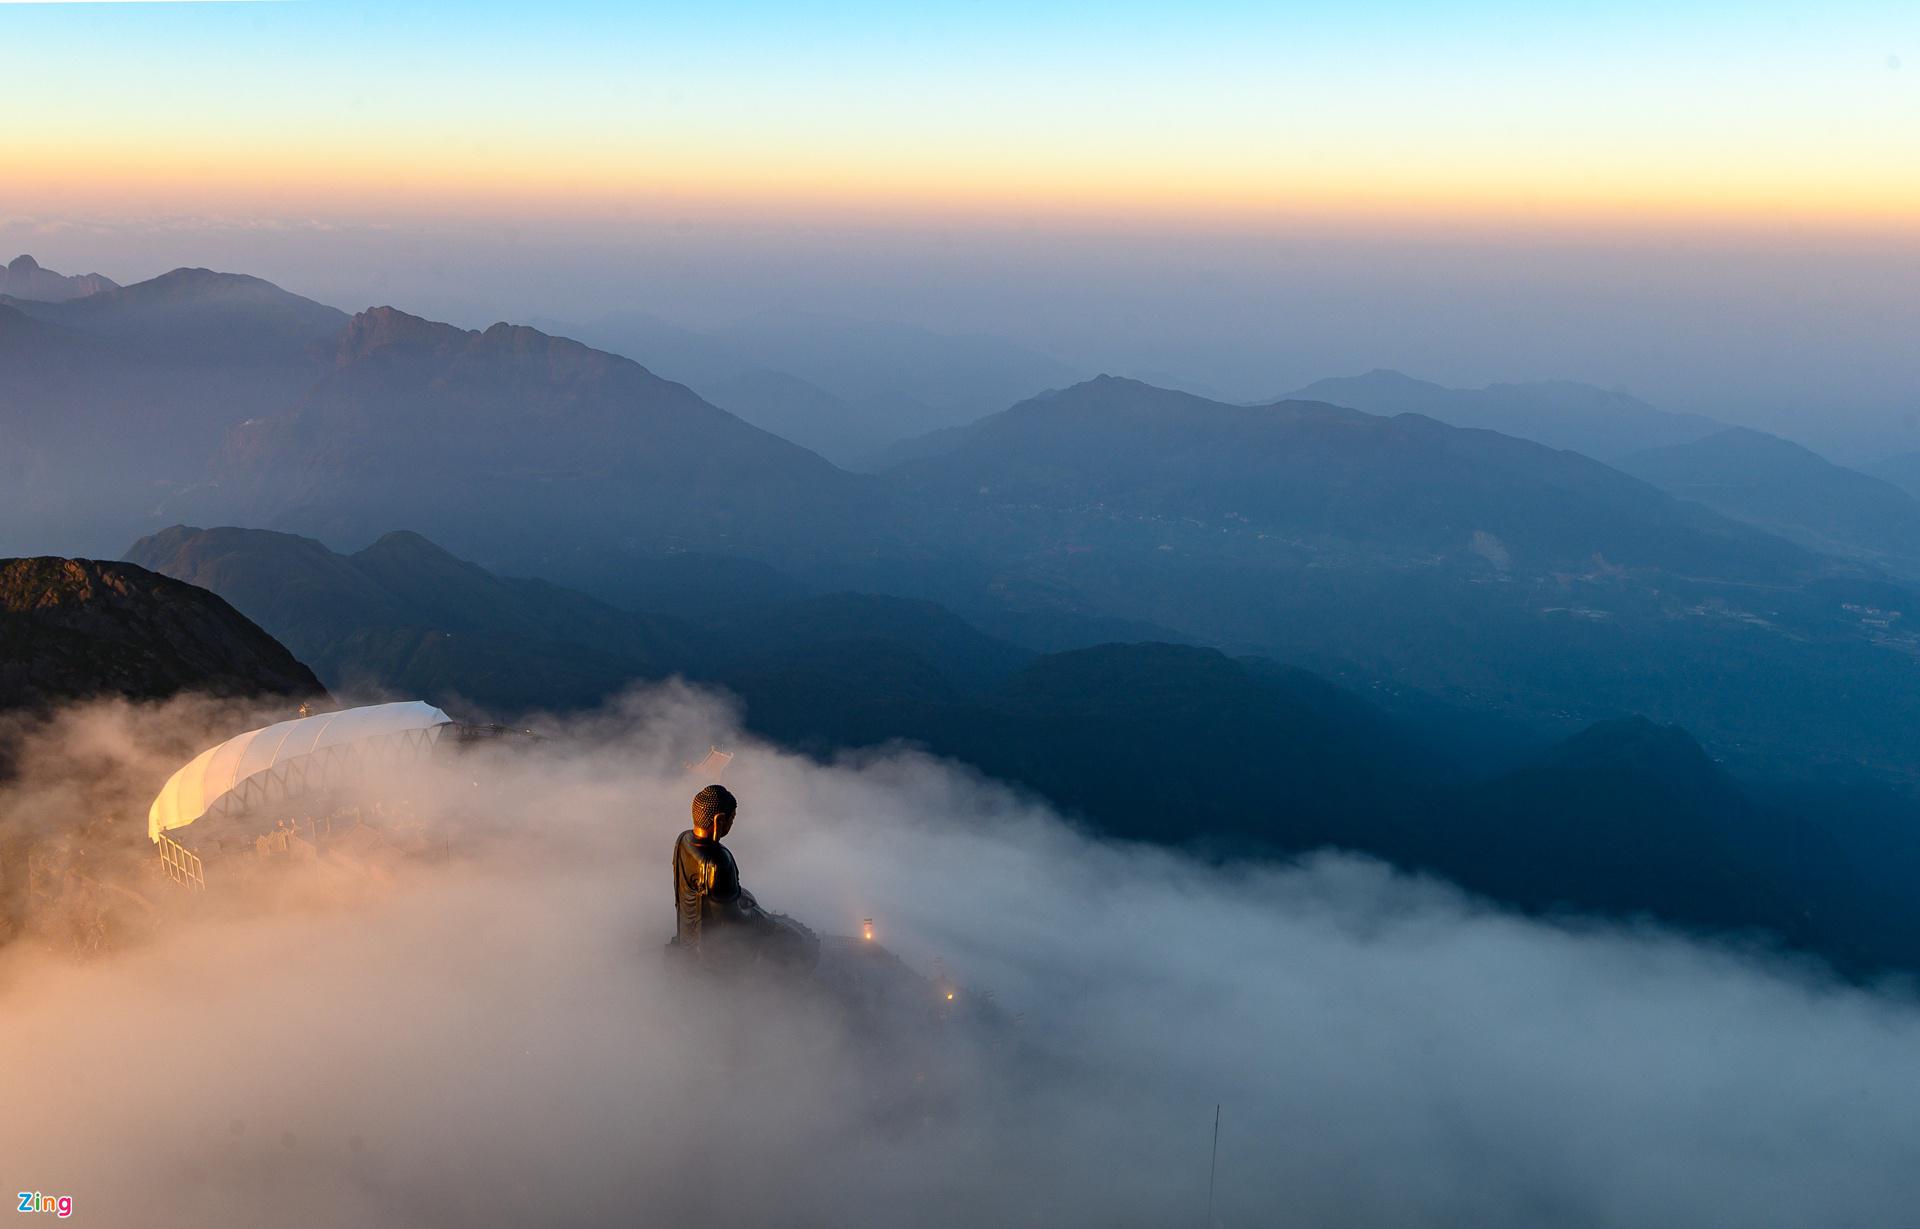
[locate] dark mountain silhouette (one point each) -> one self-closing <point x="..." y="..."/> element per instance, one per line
<point x="405" y="617"/>
<point x="521" y="449"/>
<point x="1629" y="817"/>
<point x="1172" y="744"/>
<point x="1187" y="746"/>
<point x="1559" y="414"/>
<point x="1239" y="758"/>
<point x="80" y="628"/>
<point x="1623" y="813"/>
<point x="24" y="278"/>
<point x="1767" y="481"/>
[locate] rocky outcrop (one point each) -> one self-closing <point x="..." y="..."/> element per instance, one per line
<point x="77" y="628"/>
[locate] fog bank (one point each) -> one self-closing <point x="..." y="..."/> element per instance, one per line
<point x="495" y="1040"/>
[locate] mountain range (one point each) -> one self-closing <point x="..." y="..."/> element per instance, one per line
<point x="1778" y="485"/>
<point x="1170" y="744"/>
<point x="113" y="402"/>
<point x="24" y="278"/>
<point x="1416" y="561"/>
<point x="1404" y="552"/>
<point x="509" y="443"/>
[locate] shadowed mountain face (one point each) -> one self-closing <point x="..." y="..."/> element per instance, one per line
<point x="519" y="447"/>
<point x="1396" y="554"/>
<point x="23" y="278"/>
<point x="1622" y="810"/>
<point x="1629" y="817"/>
<point x="79" y="628"/>
<point x="1559" y="414"/>
<point x="1490" y="570"/>
<point x="404" y="617"/>
<point x="1163" y="743"/>
<point x="1767" y="481"/>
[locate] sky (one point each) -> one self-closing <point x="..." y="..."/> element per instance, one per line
<point x="1714" y="204"/>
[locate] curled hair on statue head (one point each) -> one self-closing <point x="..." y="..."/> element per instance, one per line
<point x="714" y="805"/>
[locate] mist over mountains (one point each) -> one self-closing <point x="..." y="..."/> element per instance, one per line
<point x="1410" y="557"/>
<point x="1561" y="414"/>
<point x="1778" y="485"/>
<point x="1403" y="552"/>
<point x="1112" y="617"/>
<point x="503" y="441"/>
<point x="511" y="521"/>
<point x="847" y="389"/>
<point x="113" y="402"/>
<point x="1623" y="818"/>
<point x="1537" y="665"/>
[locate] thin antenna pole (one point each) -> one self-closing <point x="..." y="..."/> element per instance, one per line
<point x="1213" y="1166"/>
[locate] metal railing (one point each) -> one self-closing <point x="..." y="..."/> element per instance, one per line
<point x="181" y="864"/>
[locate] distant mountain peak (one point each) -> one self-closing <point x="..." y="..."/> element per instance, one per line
<point x="1640" y="749"/>
<point x="389" y="328"/>
<point x="25" y="278"/>
<point x="188" y="281"/>
<point x="1390" y="375"/>
<point x="405" y="544"/>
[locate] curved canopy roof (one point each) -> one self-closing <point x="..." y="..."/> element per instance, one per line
<point x="218" y="771"/>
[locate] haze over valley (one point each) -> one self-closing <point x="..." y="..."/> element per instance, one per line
<point x="855" y="615"/>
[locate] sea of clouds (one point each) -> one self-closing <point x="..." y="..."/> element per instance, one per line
<point x="495" y="1039"/>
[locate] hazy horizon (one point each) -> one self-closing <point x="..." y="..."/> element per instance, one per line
<point x="1733" y="343"/>
<point x="1715" y="210"/>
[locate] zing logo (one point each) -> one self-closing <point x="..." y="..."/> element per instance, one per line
<point x="59" y="1205"/>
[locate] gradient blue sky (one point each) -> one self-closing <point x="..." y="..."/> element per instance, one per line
<point x="1207" y="111"/>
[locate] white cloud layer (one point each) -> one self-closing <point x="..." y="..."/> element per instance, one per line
<point x="497" y="1041"/>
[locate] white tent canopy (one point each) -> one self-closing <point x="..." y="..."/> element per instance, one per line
<point x="219" y="771"/>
